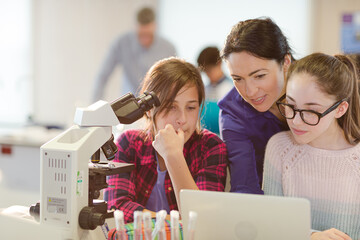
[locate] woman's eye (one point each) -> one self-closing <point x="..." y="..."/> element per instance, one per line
<point x="191" y="108"/>
<point x="237" y="79"/>
<point x="260" y="76"/>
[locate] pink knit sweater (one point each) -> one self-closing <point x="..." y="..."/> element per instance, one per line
<point x="329" y="179"/>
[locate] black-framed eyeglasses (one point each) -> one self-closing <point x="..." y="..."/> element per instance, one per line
<point x="309" y="117"/>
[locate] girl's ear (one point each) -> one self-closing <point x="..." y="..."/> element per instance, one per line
<point x="287" y="62"/>
<point x="341" y="109"/>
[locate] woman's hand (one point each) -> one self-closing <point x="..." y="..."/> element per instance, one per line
<point x="167" y="141"/>
<point x="332" y="234"/>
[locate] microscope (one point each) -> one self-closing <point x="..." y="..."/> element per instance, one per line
<point x="69" y="183"/>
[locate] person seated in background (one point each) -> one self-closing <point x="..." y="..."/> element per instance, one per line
<point x="172" y="152"/>
<point x="219" y="84"/>
<point x="319" y="158"/>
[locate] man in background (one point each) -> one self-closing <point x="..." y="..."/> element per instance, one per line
<point x="219" y="84"/>
<point x="136" y="51"/>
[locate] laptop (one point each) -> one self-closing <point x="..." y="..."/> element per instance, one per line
<point x="223" y="215"/>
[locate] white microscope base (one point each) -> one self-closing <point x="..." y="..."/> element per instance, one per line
<point x="16" y="223"/>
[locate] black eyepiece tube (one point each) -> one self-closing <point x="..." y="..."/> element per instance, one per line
<point x="148" y="100"/>
<point x="128" y="109"/>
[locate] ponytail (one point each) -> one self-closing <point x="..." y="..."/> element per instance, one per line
<point x="350" y="122"/>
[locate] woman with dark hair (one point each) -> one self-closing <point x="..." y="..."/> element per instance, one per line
<point x="319" y="159"/>
<point x="258" y="57"/>
<point x="172" y="152"/>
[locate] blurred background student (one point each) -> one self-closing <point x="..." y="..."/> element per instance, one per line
<point x="219" y="84"/>
<point x="136" y="52"/>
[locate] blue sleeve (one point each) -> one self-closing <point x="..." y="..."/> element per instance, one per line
<point x="167" y="47"/>
<point x="113" y="58"/>
<point x="241" y="152"/>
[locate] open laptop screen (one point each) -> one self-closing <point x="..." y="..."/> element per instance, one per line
<point x="223" y="215"/>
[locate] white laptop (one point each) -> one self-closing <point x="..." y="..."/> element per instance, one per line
<point x="223" y="215"/>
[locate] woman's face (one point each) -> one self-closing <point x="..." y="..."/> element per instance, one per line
<point x="304" y="93"/>
<point x="259" y="81"/>
<point x="183" y="112"/>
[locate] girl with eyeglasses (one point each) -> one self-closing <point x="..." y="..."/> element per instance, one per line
<point x="319" y="158"/>
<point x="258" y="56"/>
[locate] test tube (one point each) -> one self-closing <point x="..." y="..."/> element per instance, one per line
<point x="147" y="225"/>
<point x="137" y="225"/>
<point x="159" y="229"/>
<point x="174" y="223"/>
<point x="120" y="226"/>
<point x="192" y="225"/>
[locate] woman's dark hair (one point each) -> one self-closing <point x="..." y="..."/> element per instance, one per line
<point x="336" y="76"/>
<point x="260" y="37"/>
<point x="166" y="78"/>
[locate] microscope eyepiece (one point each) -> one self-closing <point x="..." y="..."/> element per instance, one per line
<point x="148" y="100"/>
<point x="128" y="109"/>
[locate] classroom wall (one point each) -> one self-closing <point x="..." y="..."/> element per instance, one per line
<point x="327" y="23"/>
<point x="71" y="39"/>
<point x="194" y="25"/>
<point x="15" y="62"/>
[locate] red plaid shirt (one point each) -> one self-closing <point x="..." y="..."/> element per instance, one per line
<point x="205" y="154"/>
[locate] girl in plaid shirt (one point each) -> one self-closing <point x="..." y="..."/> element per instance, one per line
<point x="172" y="152"/>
